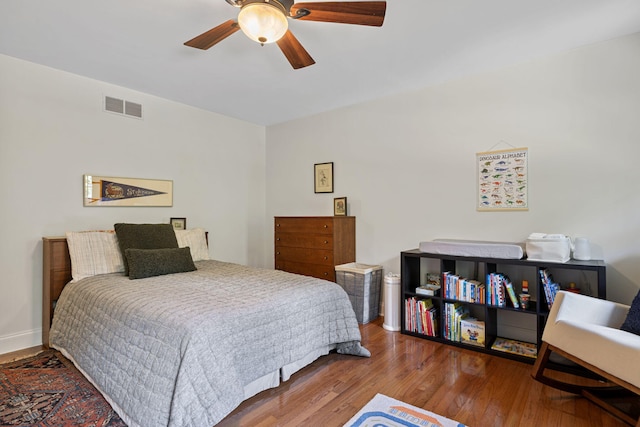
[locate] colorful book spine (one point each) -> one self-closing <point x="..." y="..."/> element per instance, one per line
<point x="462" y="289"/>
<point x="550" y="287"/>
<point x="496" y="291"/>
<point x="421" y="316"/>
<point x="512" y="293"/>
<point x="454" y="313"/>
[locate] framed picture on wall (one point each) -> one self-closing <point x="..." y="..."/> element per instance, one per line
<point x="503" y="182"/>
<point x="117" y="191"/>
<point x="323" y="177"/>
<point x="178" y="223"/>
<point x="340" y="206"/>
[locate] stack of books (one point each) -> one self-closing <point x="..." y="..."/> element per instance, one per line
<point x="421" y="316"/>
<point x="461" y="289"/>
<point x="454" y="313"/>
<point x="500" y="289"/>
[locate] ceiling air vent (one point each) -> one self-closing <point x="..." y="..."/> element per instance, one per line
<point x="120" y="106"/>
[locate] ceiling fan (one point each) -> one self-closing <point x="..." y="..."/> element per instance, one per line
<point x="265" y="21"/>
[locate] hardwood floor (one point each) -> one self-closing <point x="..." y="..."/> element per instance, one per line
<point x="472" y="388"/>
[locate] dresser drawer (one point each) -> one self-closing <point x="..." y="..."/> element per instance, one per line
<point x="313" y="245"/>
<point x="296" y="240"/>
<point x="307" y="256"/>
<point x="307" y="225"/>
<point x="326" y="272"/>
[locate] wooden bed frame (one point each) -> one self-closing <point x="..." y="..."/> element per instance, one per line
<point x="56" y="273"/>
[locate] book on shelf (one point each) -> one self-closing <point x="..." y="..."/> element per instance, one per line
<point x="511" y="292"/>
<point x="521" y="348"/>
<point x="433" y="279"/>
<point x="500" y="289"/>
<point x="454" y="312"/>
<point x="472" y="332"/>
<point x="550" y="287"/>
<point x="421" y="316"/>
<point x="462" y="289"/>
<point x="428" y="289"/>
<point x="496" y="291"/>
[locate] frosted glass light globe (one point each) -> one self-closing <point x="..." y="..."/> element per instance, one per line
<point x="263" y="22"/>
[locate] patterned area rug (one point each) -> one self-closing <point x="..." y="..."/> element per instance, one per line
<point x="383" y="411"/>
<point x="47" y="390"/>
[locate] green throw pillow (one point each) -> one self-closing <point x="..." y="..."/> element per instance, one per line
<point x="157" y="262"/>
<point x="144" y="236"/>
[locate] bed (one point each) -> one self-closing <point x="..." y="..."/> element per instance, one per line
<point x="187" y="348"/>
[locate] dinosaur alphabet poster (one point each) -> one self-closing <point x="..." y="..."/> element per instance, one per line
<point x="503" y="181"/>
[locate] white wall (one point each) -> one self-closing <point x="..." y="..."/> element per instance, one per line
<point x="53" y="130"/>
<point x="407" y="163"/>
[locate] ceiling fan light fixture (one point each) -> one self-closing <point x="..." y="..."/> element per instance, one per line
<point x="263" y="22"/>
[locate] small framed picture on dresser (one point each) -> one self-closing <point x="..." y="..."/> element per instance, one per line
<point x="179" y="223"/>
<point x="340" y="206"/>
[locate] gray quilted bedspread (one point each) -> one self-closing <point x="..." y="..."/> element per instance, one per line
<point x="177" y="350"/>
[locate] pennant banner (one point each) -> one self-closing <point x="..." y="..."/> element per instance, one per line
<point x="118" y="191"/>
<point x="110" y="191"/>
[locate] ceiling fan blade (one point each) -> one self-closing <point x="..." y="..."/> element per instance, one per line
<point x="296" y="54"/>
<point x="214" y="35"/>
<point x="349" y="12"/>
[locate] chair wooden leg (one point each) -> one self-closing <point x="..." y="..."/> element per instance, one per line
<point x="540" y="366"/>
<point x="541" y="362"/>
<point x="596" y="394"/>
<point x="605" y="400"/>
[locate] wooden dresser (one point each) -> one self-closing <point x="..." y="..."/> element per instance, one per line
<point x="314" y="245"/>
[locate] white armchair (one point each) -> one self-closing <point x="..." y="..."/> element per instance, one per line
<point x="586" y="331"/>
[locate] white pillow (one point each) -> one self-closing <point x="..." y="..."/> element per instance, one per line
<point x="196" y="240"/>
<point x="94" y="252"/>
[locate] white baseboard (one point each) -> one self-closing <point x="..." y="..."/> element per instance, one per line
<point x="20" y="340"/>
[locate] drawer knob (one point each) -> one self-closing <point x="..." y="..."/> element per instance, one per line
<point x="277" y="238"/>
<point x="326" y="226"/>
<point x="326" y="274"/>
<point x="278" y="253"/>
<point x="326" y="241"/>
<point x="277" y="225"/>
<point x="326" y="258"/>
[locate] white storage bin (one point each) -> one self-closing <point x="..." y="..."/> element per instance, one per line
<point x="362" y="282"/>
<point x="548" y="247"/>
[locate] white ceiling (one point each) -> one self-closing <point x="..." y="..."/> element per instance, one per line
<point x="138" y="44"/>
